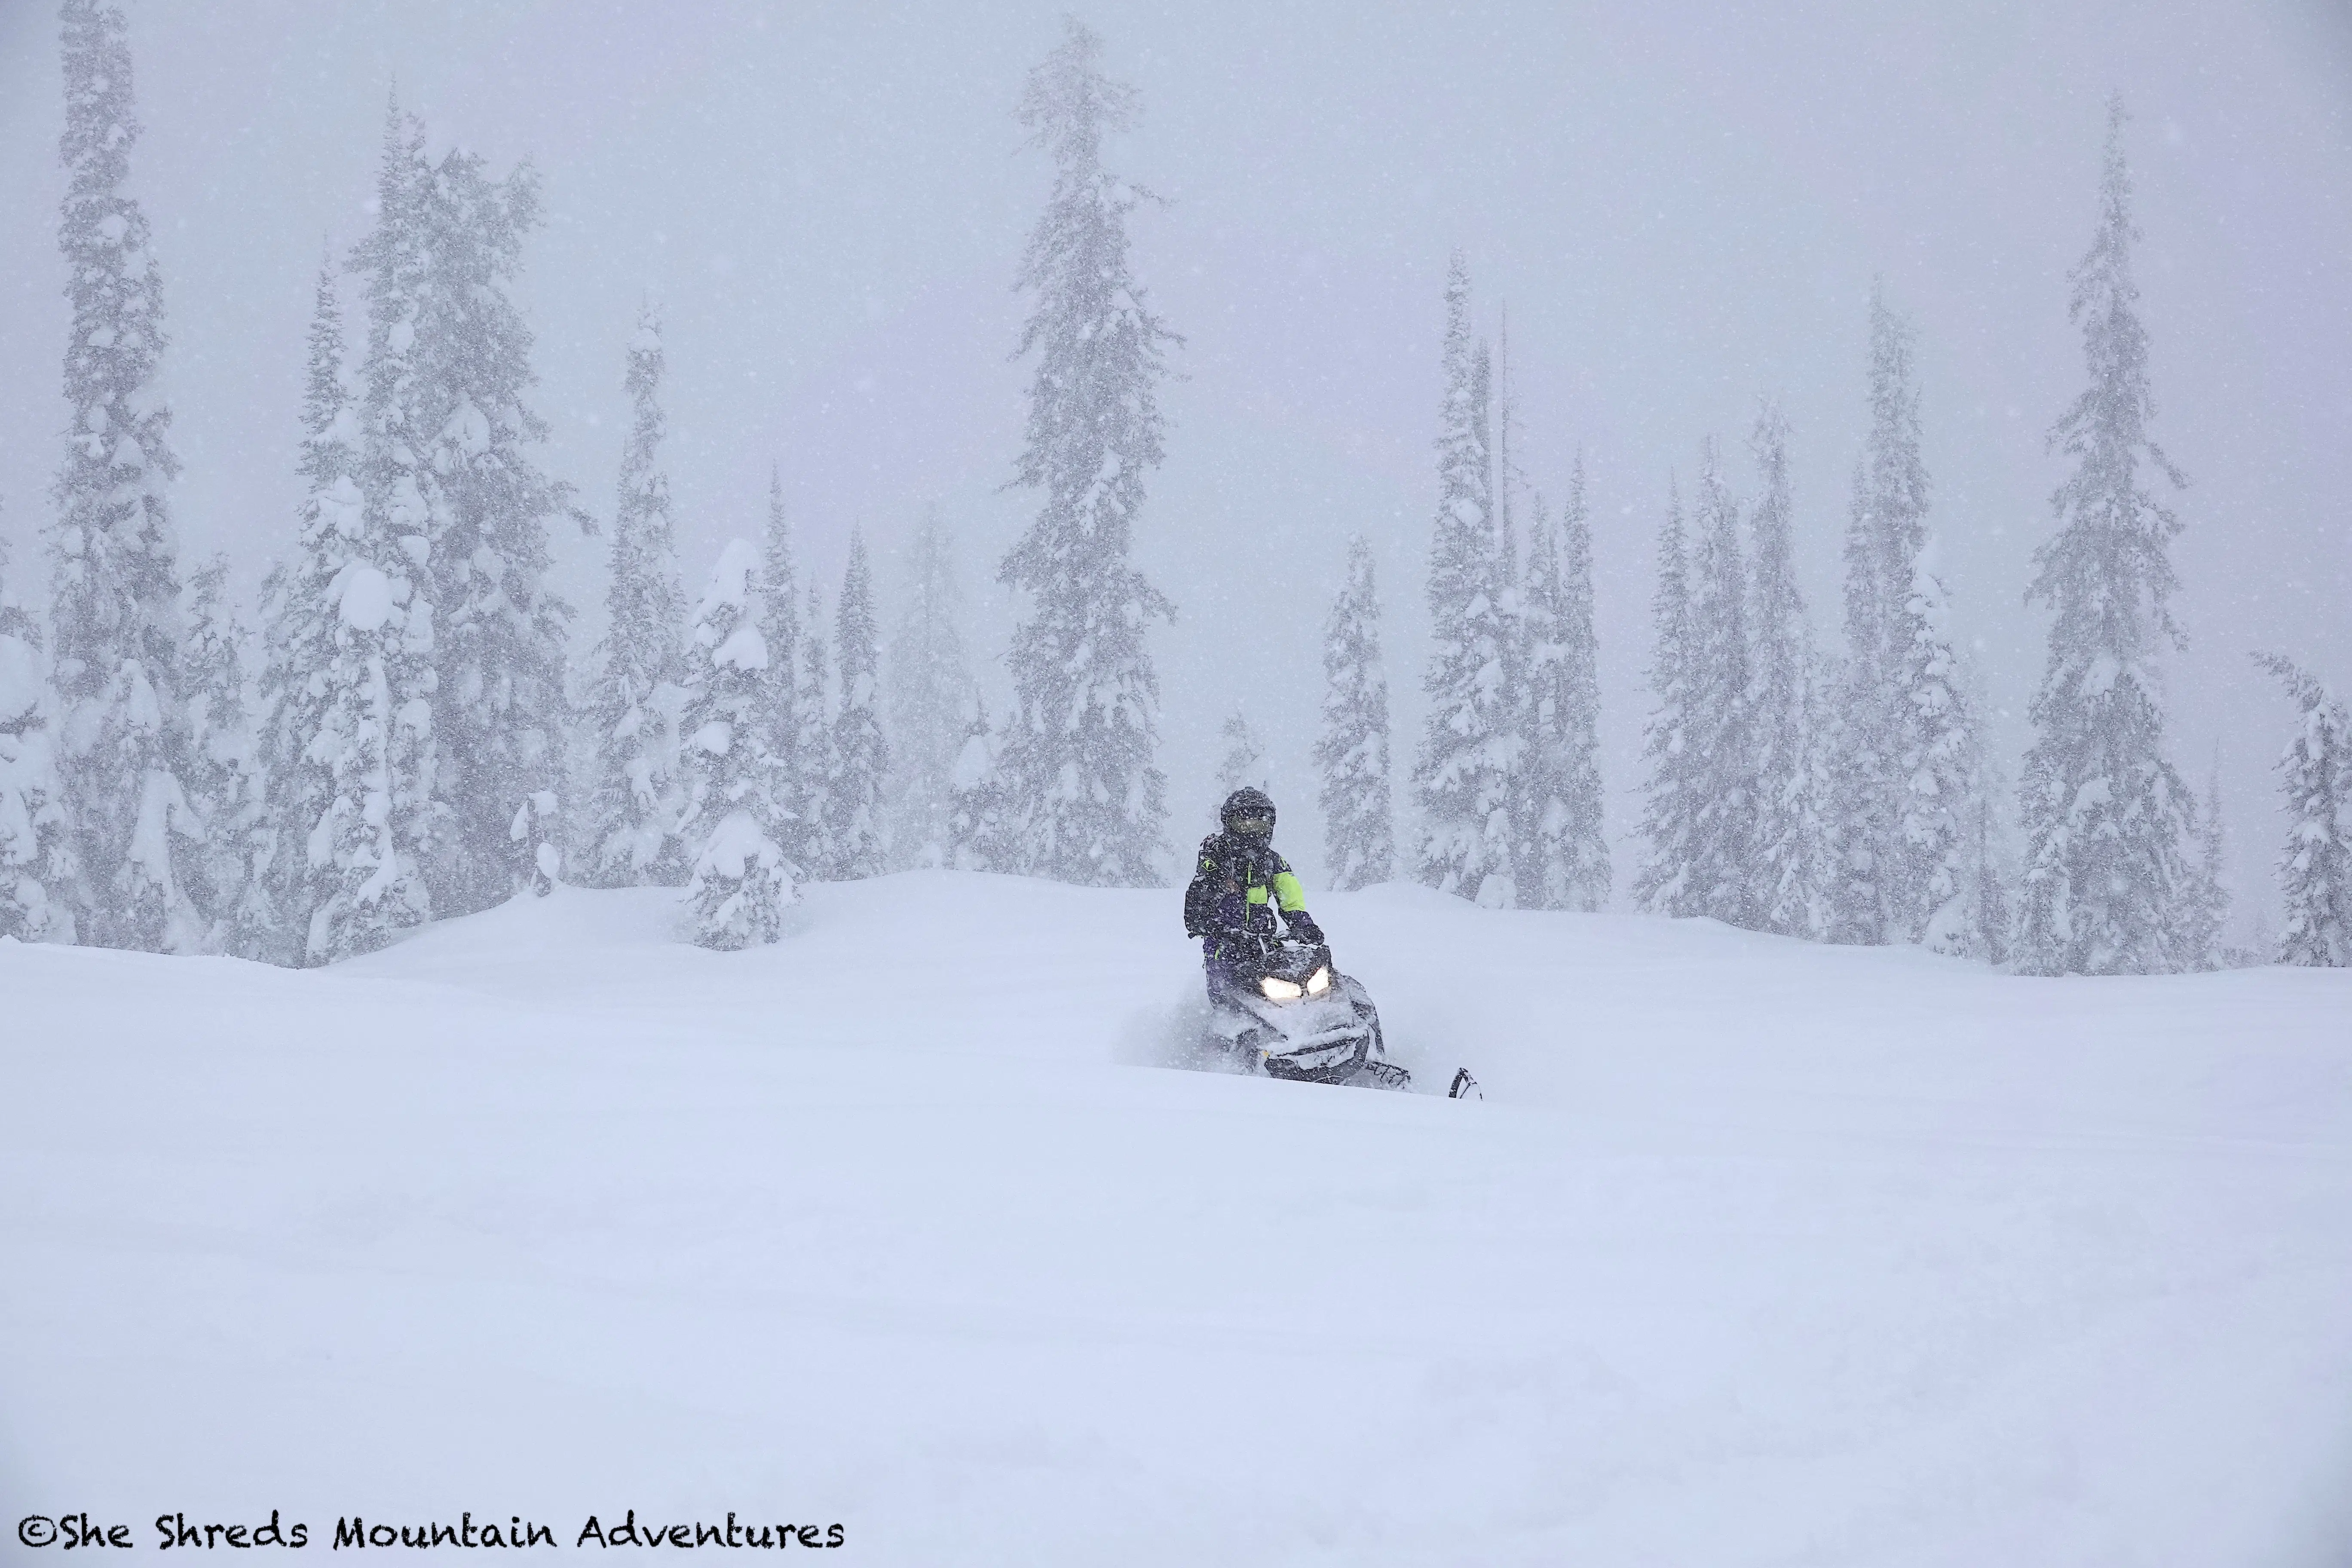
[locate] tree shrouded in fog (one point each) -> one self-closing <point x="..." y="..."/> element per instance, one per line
<point x="2315" y="868"/>
<point x="931" y="701"/>
<point x="633" y="799"/>
<point x="1672" y="811"/>
<point x="739" y="881"/>
<point x="222" y="767"/>
<point x="1885" y="529"/>
<point x="1082" y="796"/>
<point x="1719" y="876"/>
<point x="808" y="788"/>
<point x="2105" y="814"/>
<point x="1567" y="857"/>
<point x="33" y="868"/>
<point x="1462" y="772"/>
<point x="115" y="603"/>
<point x="1351" y="755"/>
<point x="1243" y="765"/>
<point x="779" y="615"/>
<point x="1941" y="769"/>
<point x="1791" y="874"/>
<point x="861" y="753"/>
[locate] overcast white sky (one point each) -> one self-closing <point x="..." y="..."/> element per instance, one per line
<point x="1682" y="206"/>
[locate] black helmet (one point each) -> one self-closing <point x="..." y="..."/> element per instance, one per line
<point x="1247" y="812"/>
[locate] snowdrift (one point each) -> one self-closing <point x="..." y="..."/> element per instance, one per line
<point x="1756" y="1253"/>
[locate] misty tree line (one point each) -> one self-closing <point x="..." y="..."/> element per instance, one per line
<point x="404" y="736"/>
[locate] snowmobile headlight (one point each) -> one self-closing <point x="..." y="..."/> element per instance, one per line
<point x="1318" y="983"/>
<point x="1279" y="990"/>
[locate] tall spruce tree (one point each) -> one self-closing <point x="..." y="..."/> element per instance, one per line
<point x="2105" y="814"/>
<point x="1721" y="878"/>
<point x="634" y="798"/>
<point x="861" y="752"/>
<point x="36" y="865"/>
<point x="115" y="609"/>
<point x="779" y="615"/>
<point x="1791" y="872"/>
<point x="1083" y="796"/>
<point x="1673" y="822"/>
<point x="932" y="698"/>
<point x="741" y="881"/>
<point x="223" y="771"/>
<point x="976" y="812"/>
<point x="355" y="642"/>
<point x="2208" y="914"/>
<point x="1463" y="768"/>
<point x="501" y="629"/>
<point x="819" y="852"/>
<point x="1565" y="862"/>
<point x="1351" y="755"/>
<point x="1885" y="527"/>
<point x="2316" y="866"/>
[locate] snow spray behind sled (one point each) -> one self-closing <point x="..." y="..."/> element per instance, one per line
<point x="1290" y="1014"/>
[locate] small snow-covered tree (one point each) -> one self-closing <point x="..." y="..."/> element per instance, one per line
<point x="115" y="594"/>
<point x="931" y="699"/>
<point x="975" y="812"/>
<point x="2206" y="911"/>
<point x="1351" y="755"/>
<point x="1463" y="768"/>
<point x="1673" y="822"/>
<point x="1885" y="527"/>
<point x="2315" y="868"/>
<point x="1932" y="891"/>
<point x="2104" y="814"/>
<point x="634" y="798"/>
<point x="1083" y="797"/>
<point x="1790" y="873"/>
<point x="224" y="779"/>
<point x="1721" y="878"/>
<point x="741" y="881"/>
<point x="861" y="752"/>
<point x="1566" y="860"/>
<point x="818" y="853"/>
<point x="1244" y="765"/>
<point x="35" y="849"/>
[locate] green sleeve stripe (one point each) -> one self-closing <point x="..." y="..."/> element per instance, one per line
<point x="1287" y="889"/>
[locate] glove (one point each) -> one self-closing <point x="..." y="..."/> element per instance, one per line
<point x="1302" y="926"/>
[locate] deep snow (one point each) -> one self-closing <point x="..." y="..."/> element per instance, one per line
<point x="1756" y="1253"/>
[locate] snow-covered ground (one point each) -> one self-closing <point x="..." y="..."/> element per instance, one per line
<point x="1755" y="1253"/>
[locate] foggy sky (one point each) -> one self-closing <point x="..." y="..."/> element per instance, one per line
<point x="1684" y="208"/>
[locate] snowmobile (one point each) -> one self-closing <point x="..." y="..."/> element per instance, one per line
<point x="1290" y="1014"/>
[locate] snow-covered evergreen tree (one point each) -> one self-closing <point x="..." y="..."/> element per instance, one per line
<point x="35" y="864"/>
<point x="741" y="880"/>
<point x="223" y="771"/>
<point x="779" y="615"/>
<point x="861" y="752"/>
<point x="1792" y="874"/>
<point x="1721" y="878"/>
<point x="1673" y="807"/>
<point x="635" y="799"/>
<point x="1083" y="796"/>
<point x="1243" y="765"/>
<point x="975" y="809"/>
<point x="2208" y="909"/>
<point x="931" y="695"/>
<point x="1933" y="891"/>
<point x="351" y="747"/>
<point x="500" y="628"/>
<point x="1351" y="755"/>
<point x="1565" y="863"/>
<point x="818" y="853"/>
<point x="1462" y="770"/>
<point x="2104" y="814"/>
<point x="115" y="594"/>
<point x="1885" y="529"/>
<point x="2315" y="868"/>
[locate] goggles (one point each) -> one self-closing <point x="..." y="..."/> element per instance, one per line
<point x="1252" y="826"/>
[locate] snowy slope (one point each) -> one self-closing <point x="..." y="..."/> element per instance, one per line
<point x="1757" y="1252"/>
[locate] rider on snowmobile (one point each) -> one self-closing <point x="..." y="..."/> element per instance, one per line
<point x="1239" y="887"/>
